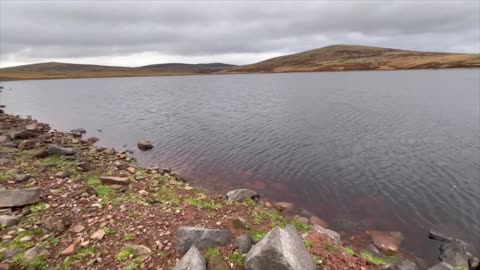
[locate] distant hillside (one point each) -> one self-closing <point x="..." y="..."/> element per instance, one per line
<point x="54" y="70"/>
<point x="353" y="57"/>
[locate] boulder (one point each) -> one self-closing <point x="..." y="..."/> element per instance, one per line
<point x="280" y="249"/>
<point x="192" y="260"/>
<point x="54" y="149"/>
<point x="144" y="145"/>
<point x="403" y="265"/>
<point x="57" y="224"/>
<point x="455" y="254"/>
<point x="35" y="252"/>
<point x="442" y="266"/>
<point x="331" y="234"/>
<point x="19" y="197"/>
<point x="20" y="178"/>
<point x="23" y="134"/>
<point x="389" y="242"/>
<point x="26" y="145"/>
<point x="216" y="263"/>
<point x="239" y="195"/>
<point x="200" y="237"/>
<point x="243" y="243"/>
<point x="8" y="221"/>
<point x="114" y="180"/>
<point x="93" y="140"/>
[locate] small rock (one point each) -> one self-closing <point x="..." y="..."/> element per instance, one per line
<point x="140" y="249"/>
<point x="54" y="149"/>
<point x="216" y="263"/>
<point x="20" y="178"/>
<point x="62" y="174"/>
<point x="389" y="242"/>
<point x="283" y="206"/>
<point x="331" y="234"/>
<point x="98" y="235"/>
<point x="83" y="165"/>
<point x="314" y="220"/>
<point x="200" y="237"/>
<point x="114" y="180"/>
<point x="243" y="243"/>
<point x="57" y="224"/>
<point x="8" y="221"/>
<point x="144" y="145"/>
<point x="41" y="153"/>
<point x="35" y="252"/>
<point x="24" y="134"/>
<point x="26" y="145"/>
<point x="403" y="265"/>
<point x="93" y="140"/>
<point x="31" y="127"/>
<point x="239" y="195"/>
<point x="192" y="260"/>
<point x="26" y="238"/>
<point x="68" y="250"/>
<point x="78" y="228"/>
<point x="131" y="170"/>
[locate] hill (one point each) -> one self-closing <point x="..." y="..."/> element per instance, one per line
<point x="201" y="68"/>
<point x="355" y="57"/>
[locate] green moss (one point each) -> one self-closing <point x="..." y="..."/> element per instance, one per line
<point x="103" y="191"/>
<point x="94" y="181"/>
<point x="204" y="203"/>
<point x="236" y="258"/>
<point x="125" y="254"/>
<point x="6" y="176"/>
<point x="131" y="266"/>
<point x="308" y="243"/>
<point x="329" y="246"/>
<point x="38" y="263"/>
<point x="212" y="252"/>
<point x="349" y="251"/>
<point x="257" y="235"/>
<point x="38" y="207"/>
<point x="129" y="236"/>
<point x="249" y="202"/>
<point x="166" y="194"/>
<point x="371" y="258"/>
<point x="300" y="226"/>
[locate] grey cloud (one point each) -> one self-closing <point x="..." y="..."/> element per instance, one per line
<point x="75" y="29"/>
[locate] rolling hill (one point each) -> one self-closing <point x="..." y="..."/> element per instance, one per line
<point x="355" y="57"/>
<point x="330" y="58"/>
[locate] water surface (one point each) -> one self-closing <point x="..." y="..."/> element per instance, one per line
<point x="397" y="150"/>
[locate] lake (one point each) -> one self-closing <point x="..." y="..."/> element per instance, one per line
<point x="393" y="150"/>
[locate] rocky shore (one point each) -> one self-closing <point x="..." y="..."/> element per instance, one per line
<point x="66" y="203"/>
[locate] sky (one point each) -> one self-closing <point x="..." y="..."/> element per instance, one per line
<point x="136" y="33"/>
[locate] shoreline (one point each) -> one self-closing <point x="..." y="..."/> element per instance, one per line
<point x="87" y="191"/>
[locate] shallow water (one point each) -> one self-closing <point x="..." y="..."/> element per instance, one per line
<point x="397" y="150"/>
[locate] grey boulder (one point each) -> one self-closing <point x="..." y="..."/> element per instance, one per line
<point x="239" y="195"/>
<point x="280" y="249"/>
<point x="144" y="145"/>
<point x="403" y="265"/>
<point x="186" y="237"/>
<point x="192" y="260"/>
<point x="8" y="221"/>
<point x="331" y="234"/>
<point x="54" y="149"/>
<point x="455" y="254"/>
<point x="19" y="197"/>
<point x="243" y="243"/>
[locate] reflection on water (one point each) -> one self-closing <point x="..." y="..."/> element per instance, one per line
<point x="363" y="150"/>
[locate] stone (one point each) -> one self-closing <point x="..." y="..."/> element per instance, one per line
<point x="474" y="263"/>
<point x="114" y="180"/>
<point x="192" y="260"/>
<point x="68" y="250"/>
<point x="78" y="228"/>
<point x="283" y="206"/>
<point x="216" y="263"/>
<point x="98" y="235"/>
<point x="442" y="266"/>
<point x="19" y="197"/>
<point x="389" y="242"/>
<point x="41" y="153"/>
<point x="78" y="131"/>
<point x="314" y="220"/>
<point x="83" y="165"/>
<point x="26" y="145"/>
<point x="62" y="174"/>
<point x="455" y="254"/>
<point x="333" y="235"/>
<point x="131" y="170"/>
<point x="144" y="145"/>
<point x="280" y="249"/>
<point x="54" y="149"/>
<point x="8" y="221"/>
<point x="403" y="265"/>
<point x="35" y="252"/>
<point x="243" y="243"/>
<point x="93" y="140"/>
<point x="200" y="237"/>
<point x="56" y="224"/>
<point x="239" y="195"/>
<point x="31" y="127"/>
<point x="26" y="238"/>
<point x="140" y="249"/>
<point x="20" y="178"/>
<point x="4" y="139"/>
<point x="24" y="134"/>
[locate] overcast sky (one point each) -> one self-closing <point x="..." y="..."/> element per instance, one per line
<point x="134" y="33"/>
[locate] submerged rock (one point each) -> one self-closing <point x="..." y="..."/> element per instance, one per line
<point x="144" y="145"/>
<point x="239" y="195"/>
<point x="200" y="237"/>
<point x="280" y="249"/>
<point x="192" y="260"/>
<point x="389" y="242"/>
<point x="19" y="197"/>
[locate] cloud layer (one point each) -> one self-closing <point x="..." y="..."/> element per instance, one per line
<point x="138" y="33"/>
